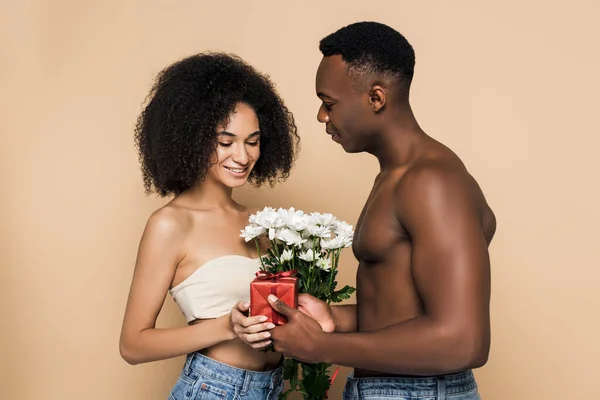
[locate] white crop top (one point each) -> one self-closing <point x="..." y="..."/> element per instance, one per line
<point x="216" y="287"/>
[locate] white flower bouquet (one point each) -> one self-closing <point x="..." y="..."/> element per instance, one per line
<point x="310" y="245"/>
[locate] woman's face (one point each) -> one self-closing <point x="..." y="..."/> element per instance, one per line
<point x="238" y="147"/>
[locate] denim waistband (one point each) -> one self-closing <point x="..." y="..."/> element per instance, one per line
<point x="452" y="383"/>
<point x="207" y="367"/>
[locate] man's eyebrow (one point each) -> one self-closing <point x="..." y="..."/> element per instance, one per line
<point x="321" y="95"/>
<point x="225" y="133"/>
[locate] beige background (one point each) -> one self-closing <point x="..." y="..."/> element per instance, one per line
<point x="512" y="86"/>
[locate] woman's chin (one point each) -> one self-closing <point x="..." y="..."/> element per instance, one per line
<point x="235" y="183"/>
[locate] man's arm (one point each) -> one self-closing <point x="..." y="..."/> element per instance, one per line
<point x="451" y="270"/>
<point x="344" y="317"/>
<point x="338" y="318"/>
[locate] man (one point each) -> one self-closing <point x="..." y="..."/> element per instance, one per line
<point x="423" y="280"/>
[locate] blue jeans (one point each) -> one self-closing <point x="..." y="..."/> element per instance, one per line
<point x="203" y="378"/>
<point x="460" y="386"/>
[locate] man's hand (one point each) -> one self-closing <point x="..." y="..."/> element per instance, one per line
<point x="251" y="330"/>
<point x="317" y="310"/>
<point x="300" y="338"/>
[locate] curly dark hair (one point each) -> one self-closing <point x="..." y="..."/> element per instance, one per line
<point x="176" y="132"/>
<point x="372" y="48"/>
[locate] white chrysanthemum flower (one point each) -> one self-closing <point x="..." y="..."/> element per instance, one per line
<point x="286" y="255"/>
<point x="337" y="242"/>
<point x="308" y="244"/>
<point x="289" y="237"/>
<point x="343" y="228"/>
<point x="347" y="241"/>
<point x="259" y="214"/>
<point x="252" y="231"/>
<point x="295" y="220"/>
<point x="322" y="219"/>
<point x="309" y="255"/>
<point x="267" y="218"/>
<point x="324" y="264"/>
<point x="318" y="231"/>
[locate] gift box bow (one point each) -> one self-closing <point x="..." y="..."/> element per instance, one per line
<point x="266" y="275"/>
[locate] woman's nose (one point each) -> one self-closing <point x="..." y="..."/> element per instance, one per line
<point x="240" y="155"/>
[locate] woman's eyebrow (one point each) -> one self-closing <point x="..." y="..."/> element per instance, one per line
<point x="225" y="133"/>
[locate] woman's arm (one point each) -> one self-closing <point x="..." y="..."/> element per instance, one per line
<point x="158" y="256"/>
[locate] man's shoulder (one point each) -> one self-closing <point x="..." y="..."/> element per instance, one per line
<point x="433" y="174"/>
<point x="436" y="183"/>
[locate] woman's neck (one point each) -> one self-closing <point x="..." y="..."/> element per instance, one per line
<point x="209" y="194"/>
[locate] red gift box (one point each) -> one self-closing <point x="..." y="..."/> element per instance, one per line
<point x="282" y="285"/>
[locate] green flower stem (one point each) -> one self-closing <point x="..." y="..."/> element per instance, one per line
<point x="333" y="266"/>
<point x="276" y="251"/>
<point x="259" y="255"/>
<point x="314" y="261"/>
<point x="335" y="258"/>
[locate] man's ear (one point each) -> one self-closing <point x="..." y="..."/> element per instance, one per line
<point x="377" y="97"/>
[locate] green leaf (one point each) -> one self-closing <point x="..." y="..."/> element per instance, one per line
<point x="290" y="368"/>
<point x="322" y="289"/>
<point x="303" y="271"/>
<point x="315" y="381"/>
<point x="290" y="372"/>
<point x="342" y="294"/>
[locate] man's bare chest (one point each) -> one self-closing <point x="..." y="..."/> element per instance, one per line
<point x="377" y="230"/>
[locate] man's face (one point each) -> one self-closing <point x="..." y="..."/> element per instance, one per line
<point x="345" y="109"/>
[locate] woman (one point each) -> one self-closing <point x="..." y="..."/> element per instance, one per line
<point x="211" y="124"/>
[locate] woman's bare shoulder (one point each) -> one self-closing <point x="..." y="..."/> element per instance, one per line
<point x="170" y="220"/>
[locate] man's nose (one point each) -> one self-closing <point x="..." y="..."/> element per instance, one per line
<point x="322" y="115"/>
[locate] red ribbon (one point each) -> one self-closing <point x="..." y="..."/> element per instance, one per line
<point x="332" y="379"/>
<point x="266" y="275"/>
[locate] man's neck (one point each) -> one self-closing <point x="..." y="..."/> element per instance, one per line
<point x="400" y="141"/>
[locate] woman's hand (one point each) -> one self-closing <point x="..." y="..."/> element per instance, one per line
<point x="252" y="330"/>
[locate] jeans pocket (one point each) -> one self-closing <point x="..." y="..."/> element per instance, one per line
<point x="348" y="396"/>
<point x="211" y="390"/>
<point x="472" y="394"/>
<point x="183" y="389"/>
<point x="276" y="391"/>
<point x="348" y="392"/>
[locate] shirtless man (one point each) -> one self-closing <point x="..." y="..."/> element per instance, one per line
<point x="423" y="281"/>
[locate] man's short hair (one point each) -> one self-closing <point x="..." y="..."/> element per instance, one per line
<point x="372" y="48"/>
